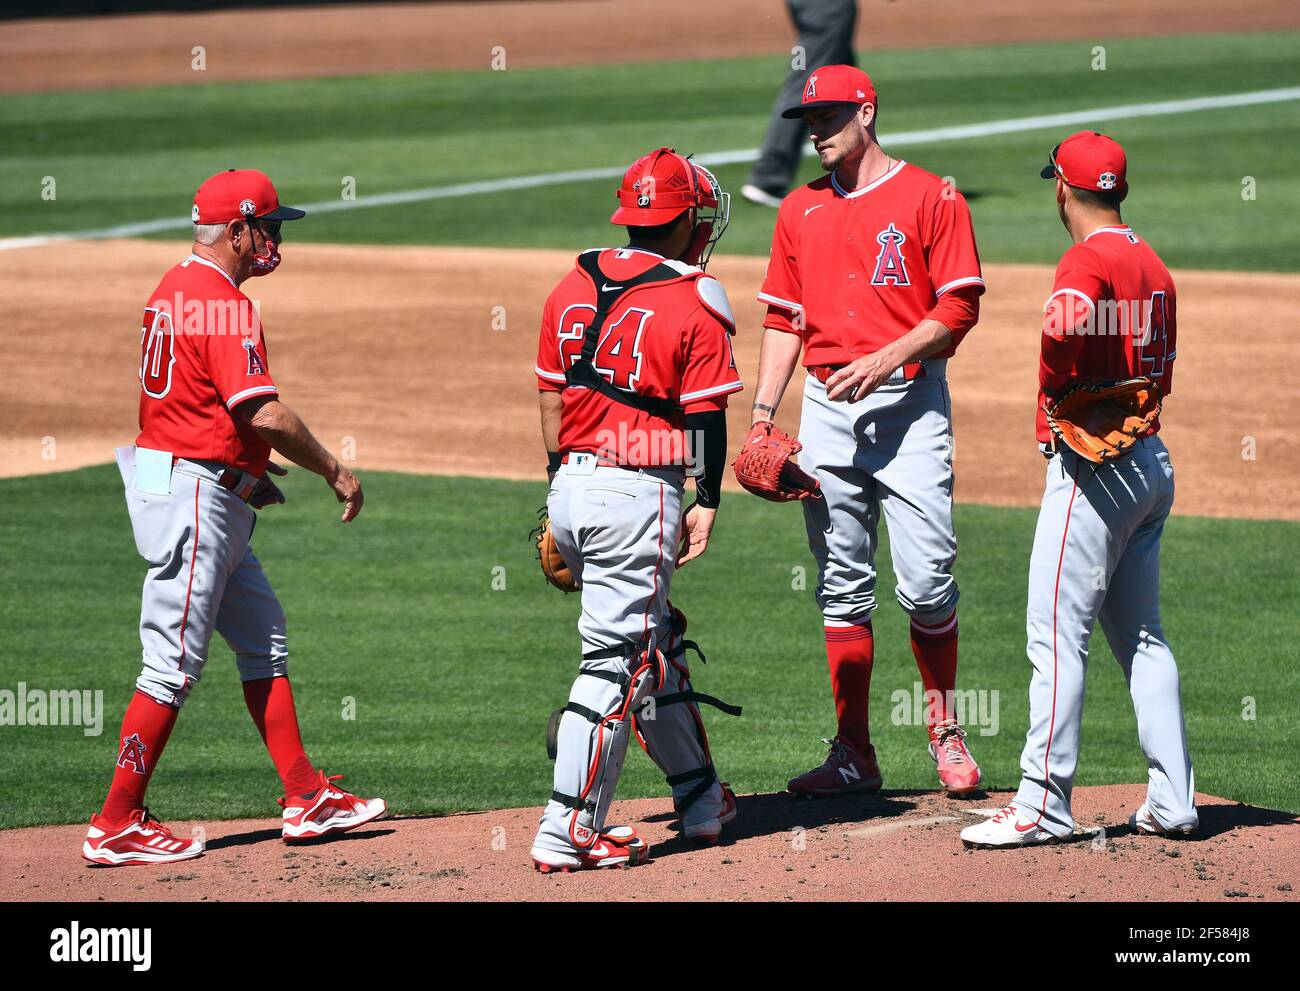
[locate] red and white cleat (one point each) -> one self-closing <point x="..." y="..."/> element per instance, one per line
<point x="618" y="846"/>
<point x="846" y="769"/>
<point x="958" y="772"/>
<point x="709" y="831"/>
<point x="143" y="840"/>
<point x="327" y="810"/>
<point x="1004" y="830"/>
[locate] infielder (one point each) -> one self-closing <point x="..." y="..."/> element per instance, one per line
<point x="635" y="355"/>
<point x="875" y="277"/>
<point x="1111" y="316"/>
<point x="209" y="415"/>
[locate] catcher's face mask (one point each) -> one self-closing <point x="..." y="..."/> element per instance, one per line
<point x="713" y="214"/>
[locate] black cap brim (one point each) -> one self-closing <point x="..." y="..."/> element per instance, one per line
<point x="284" y="213"/>
<point x="793" y="113"/>
<point x="1048" y="171"/>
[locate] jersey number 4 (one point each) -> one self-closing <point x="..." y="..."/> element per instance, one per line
<point x="157" y="353"/>
<point x="618" y="352"/>
<point x="1155" y="338"/>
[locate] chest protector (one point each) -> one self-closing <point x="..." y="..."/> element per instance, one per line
<point x="582" y="373"/>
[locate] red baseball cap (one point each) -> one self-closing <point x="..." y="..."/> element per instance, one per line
<point x="833" y="85"/>
<point x="1088" y="160"/>
<point x="240" y="194"/>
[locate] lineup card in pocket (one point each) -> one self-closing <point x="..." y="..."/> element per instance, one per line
<point x="153" y="471"/>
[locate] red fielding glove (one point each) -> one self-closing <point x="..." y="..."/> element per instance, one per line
<point x="764" y="466"/>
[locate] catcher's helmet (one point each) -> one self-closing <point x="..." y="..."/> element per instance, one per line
<point x="657" y="187"/>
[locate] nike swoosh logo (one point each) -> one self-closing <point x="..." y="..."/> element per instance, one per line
<point x="1025" y="828"/>
<point x="608" y="288"/>
<point x="812" y="208"/>
<point x="599" y="851"/>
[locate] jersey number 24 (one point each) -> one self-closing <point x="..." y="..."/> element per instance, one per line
<point x="618" y="352"/>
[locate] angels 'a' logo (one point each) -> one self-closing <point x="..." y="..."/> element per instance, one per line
<point x="132" y="754"/>
<point x="256" y="366"/>
<point x="810" y="91"/>
<point x="891" y="267"/>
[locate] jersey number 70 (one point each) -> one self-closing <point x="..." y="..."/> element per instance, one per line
<point x="618" y="352"/>
<point x="157" y="352"/>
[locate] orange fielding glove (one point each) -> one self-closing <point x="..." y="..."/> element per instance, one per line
<point x="1101" y="421"/>
<point x="553" y="566"/>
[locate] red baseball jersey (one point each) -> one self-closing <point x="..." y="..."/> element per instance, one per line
<point x="864" y="267"/>
<point x="667" y="340"/>
<point x="202" y="353"/>
<point x="1112" y="315"/>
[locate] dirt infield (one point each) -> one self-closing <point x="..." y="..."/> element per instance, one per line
<point x="157" y="49"/>
<point x="896" y="846"/>
<point x="407" y="364"/>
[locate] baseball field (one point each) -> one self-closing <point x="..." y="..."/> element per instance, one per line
<point x="445" y="198"/>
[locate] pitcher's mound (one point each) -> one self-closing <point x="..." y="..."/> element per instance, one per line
<point x="894" y="846"/>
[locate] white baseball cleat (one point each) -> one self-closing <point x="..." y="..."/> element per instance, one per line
<point x="1144" y="822"/>
<point x="617" y="846"/>
<point x="709" y="831"/>
<point x="762" y="197"/>
<point x="143" y="840"/>
<point x="1005" y="829"/>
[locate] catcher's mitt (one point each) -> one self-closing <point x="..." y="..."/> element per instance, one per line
<point x="553" y="566"/>
<point x="1101" y="421"/>
<point x="763" y="466"/>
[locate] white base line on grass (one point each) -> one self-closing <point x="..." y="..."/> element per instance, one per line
<point x="927" y="136"/>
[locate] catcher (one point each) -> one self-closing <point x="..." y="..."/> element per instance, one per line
<point x="1107" y="358"/>
<point x="634" y="366"/>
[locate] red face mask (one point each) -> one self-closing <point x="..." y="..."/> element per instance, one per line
<point x="268" y="260"/>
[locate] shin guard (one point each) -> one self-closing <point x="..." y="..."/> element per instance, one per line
<point x="590" y="741"/>
<point x="671" y="730"/>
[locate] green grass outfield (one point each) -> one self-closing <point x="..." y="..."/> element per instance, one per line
<point x="135" y="155"/>
<point x="453" y="680"/>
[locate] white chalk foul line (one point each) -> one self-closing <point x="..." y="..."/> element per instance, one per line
<point x="927" y="136"/>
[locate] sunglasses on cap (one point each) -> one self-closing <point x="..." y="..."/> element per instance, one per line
<point x="1053" y="167"/>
